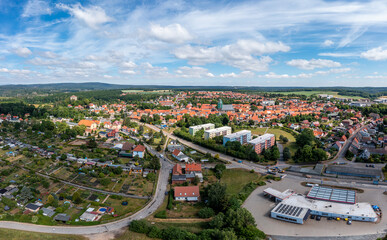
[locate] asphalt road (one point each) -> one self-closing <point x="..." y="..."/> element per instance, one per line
<point x="149" y="209"/>
<point x="159" y="195"/>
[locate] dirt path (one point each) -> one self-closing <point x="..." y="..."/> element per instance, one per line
<point x="179" y="220"/>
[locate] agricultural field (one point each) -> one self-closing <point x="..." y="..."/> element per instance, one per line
<point x="146" y="92"/>
<point x="310" y="93"/>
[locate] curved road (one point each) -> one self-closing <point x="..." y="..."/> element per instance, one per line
<point x="150" y="208"/>
<point x="158" y="197"/>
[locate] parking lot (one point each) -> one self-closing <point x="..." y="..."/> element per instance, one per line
<point x="260" y="206"/>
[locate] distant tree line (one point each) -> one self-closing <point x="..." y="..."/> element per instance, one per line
<point x="20" y="109"/>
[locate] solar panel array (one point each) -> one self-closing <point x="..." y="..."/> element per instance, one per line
<point x="289" y="210"/>
<point x="332" y="194"/>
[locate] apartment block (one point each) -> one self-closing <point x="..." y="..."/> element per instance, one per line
<point x="207" y="126"/>
<point x="222" y="131"/>
<point x="243" y="137"/>
<point x="263" y="142"/>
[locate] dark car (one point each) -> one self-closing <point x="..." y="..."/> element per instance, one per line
<point x="312" y="216"/>
<point x="318" y="218"/>
<point x="329" y="218"/>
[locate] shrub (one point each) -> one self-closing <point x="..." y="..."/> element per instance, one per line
<point x="161" y="214"/>
<point x="206" y="212"/>
<point x="139" y="226"/>
<point x="170" y="200"/>
<point x="155" y="232"/>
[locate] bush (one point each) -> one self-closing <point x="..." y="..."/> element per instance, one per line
<point x="139" y="226"/>
<point x="173" y="233"/>
<point x="155" y="232"/>
<point x="170" y="200"/>
<point x="151" y="176"/>
<point x="161" y="214"/>
<point x="206" y="212"/>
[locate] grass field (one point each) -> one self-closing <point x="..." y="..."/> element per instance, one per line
<point x="236" y="179"/>
<point x="22" y="235"/>
<point x="278" y="132"/>
<point x="194" y="227"/>
<point x="310" y="93"/>
<point x="132" y="235"/>
<point x="275" y="131"/>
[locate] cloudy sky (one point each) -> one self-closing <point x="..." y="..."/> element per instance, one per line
<point x="236" y="43"/>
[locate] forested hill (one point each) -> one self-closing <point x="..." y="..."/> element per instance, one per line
<point x="38" y="89"/>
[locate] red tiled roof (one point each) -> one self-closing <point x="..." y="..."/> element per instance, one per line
<point x="176" y="152"/>
<point x="193" y="167"/>
<point x="177" y="170"/>
<point x="139" y="148"/>
<point x="190" y="191"/>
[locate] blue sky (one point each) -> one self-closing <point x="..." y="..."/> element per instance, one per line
<point x="235" y="43"/>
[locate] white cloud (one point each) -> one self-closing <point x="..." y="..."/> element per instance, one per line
<point x="279" y="76"/>
<point x="338" y="55"/>
<point x="376" y="77"/>
<point x="86" y="64"/>
<point x="22" y="51"/>
<point x="43" y="62"/>
<point x="328" y="43"/>
<point x="334" y="71"/>
<point x="107" y="76"/>
<point x="129" y="64"/>
<point x="15" y="71"/>
<point x="241" y="55"/>
<point x="244" y="74"/>
<point x="154" y="71"/>
<point x="198" y="55"/>
<point x="48" y="54"/>
<point x="313" y="63"/>
<point x="92" y="16"/>
<point x="173" y="33"/>
<point x="375" y="54"/>
<point x="193" y="72"/>
<point x="354" y="33"/>
<point x="254" y="47"/>
<point x="273" y="75"/>
<point x="36" y="8"/>
<point x="128" y="72"/>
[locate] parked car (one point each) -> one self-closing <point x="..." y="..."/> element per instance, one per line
<point x="349" y="222"/>
<point x="312" y="216"/>
<point x="329" y="218"/>
<point x="318" y="218"/>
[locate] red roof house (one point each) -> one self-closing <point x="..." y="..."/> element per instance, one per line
<point x="190" y="193"/>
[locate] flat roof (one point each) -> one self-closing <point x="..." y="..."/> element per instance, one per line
<point x="278" y="194"/>
<point x="352" y="170"/>
<point x="332" y="194"/>
<point x="203" y="125"/>
<point x="262" y="138"/>
<point x="358" y="209"/>
<point x="218" y="129"/>
<point x="237" y="134"/>
<point x="291" y="211"/>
